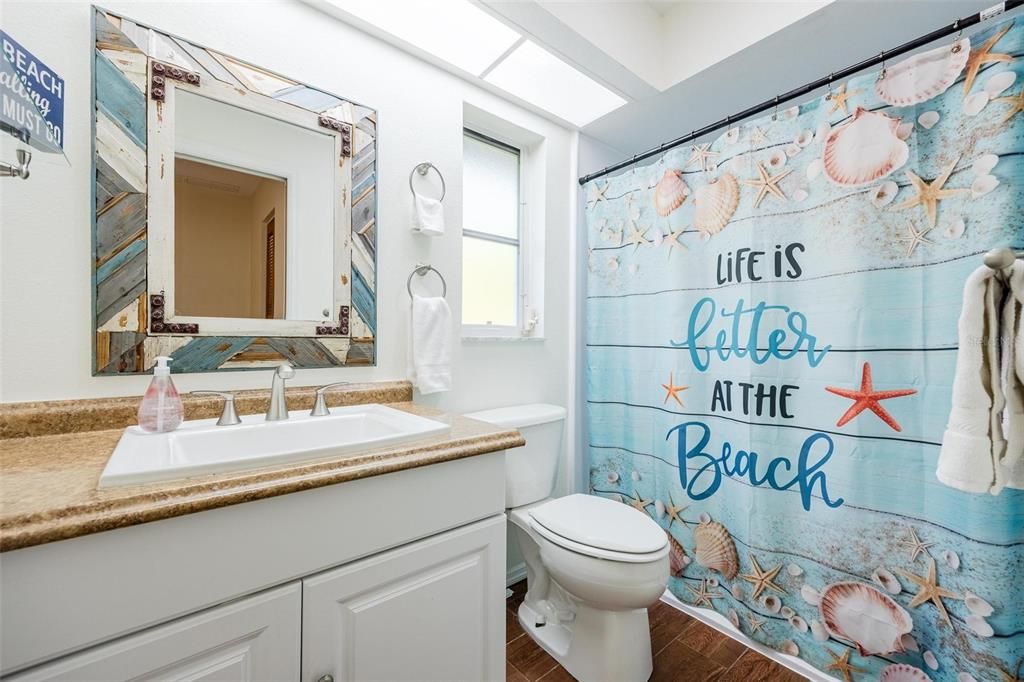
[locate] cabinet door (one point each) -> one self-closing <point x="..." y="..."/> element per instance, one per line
<point x="256" y="638"/>
<point x="431" y="610"/>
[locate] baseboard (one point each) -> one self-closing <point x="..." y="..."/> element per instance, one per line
<point x="722" y="624"/>
<point x="515" y="574"/>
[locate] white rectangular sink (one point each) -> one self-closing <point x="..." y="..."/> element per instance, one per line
<point x="201" y="447"/>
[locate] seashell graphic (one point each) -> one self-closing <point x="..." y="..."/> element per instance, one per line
<point x="794" y="570"/>
<point x="704" y="517"/>
<point x="634" y="268"/>
<point x="814" y="169"/>
<point x="904" y="131"/>
<point x="955" y="231"/>
<point x="928" y="119"/>
<point x="715" y="549"/>
<point x="704" y="236"/>
<point x="864" y="149"/>
<point x="884" y="194"/>
<point x="901" y="672"/>
<point x="790" y="647"/>
<point x="984" y="164"/>
<point x="983" y="185"/>
<point x="909" y="643"/>
<point x="712" y="581"/>
<point x="800" y="195"/>
<point x="777" y="159"/>
<point x="798" y="623"/>
<point x="670" y="192"/>
<point x="863" y="615"/>
<point x="923" y="76"/>
<point x="635" y="475"/>
<point x="930" y="660"/>
<point x="979" y="625"/>
<point x="787" y="612"/>
<point x="822" y="131"/>
<point x="715" y="204"/>
<point x="613" y="265"/>
<point x="803" y="138"/>
<point x="613" y="477"/>
<point x="734" y="618"/>
<point x="975" y="103"/>
<point x="732" y="135"/>
<point x="737" y="592"/>
<point x="810" y="595"/>
<point x="659" y="508"/>
<point x="791" y="113"/>
<point x="977" y="605"/>
<point x="792" y="149"/>
<point x="772" y="603"/>
<point x="965" y="677"/>
<point x="677" y="559"/>
<point x="818" y="631"/>
<point x="998" y="83"/>
<point x="886" y="580"/>
<point x="951" y="558"/>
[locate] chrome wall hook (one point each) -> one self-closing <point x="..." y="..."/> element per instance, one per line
<point x="18" y="170"/>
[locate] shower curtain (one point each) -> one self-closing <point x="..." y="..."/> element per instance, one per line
<point x="771" y="340"/>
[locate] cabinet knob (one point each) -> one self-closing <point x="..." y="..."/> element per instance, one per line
<point x="326" y="678"/>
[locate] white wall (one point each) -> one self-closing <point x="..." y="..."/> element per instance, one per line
<point x="45" y="343"/>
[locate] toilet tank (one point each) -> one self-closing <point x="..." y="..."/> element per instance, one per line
<point x="530" y="470"/>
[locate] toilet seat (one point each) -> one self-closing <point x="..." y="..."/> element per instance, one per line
<point x="599" y="528"/>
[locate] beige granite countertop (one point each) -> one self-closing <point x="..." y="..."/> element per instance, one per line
<point x="48" y="483"/>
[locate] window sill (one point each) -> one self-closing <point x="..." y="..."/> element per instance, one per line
<point x="470" y="338"/>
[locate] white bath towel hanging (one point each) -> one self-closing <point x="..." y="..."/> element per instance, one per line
<point x="1010" y="472"/>
<point x="973" y="444"/>
<point x="430" y="344"/>
<point x="429" y="215"/>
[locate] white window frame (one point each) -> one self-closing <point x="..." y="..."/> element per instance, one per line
<point x="530" y="271"/>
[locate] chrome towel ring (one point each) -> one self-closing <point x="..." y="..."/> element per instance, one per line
<point x="423" y="169"/>
<point x="422" y="270"/>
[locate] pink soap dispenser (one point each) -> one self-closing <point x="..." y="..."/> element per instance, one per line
<point x="161" y="410"/>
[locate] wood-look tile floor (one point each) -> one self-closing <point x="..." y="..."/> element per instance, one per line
<point x="685" y="650"/>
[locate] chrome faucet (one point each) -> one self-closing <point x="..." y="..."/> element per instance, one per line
<point x="320" y="408"/>
<point x="228" y="415"/>
<point x="278" y="409"/>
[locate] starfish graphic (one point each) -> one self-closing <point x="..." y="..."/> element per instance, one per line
<point x="673" y="391"/>
<point x="868" y="399"/>
<point x="842" y="664"/>
<point x="1016" y="103"/>
<point x="755" y="623"/>
<point x="671" y="241"/>
<point x="672" y="512"/>
<point x="703" y="596"/>
<point x="930" y="591"/>
<point x="638" y="502"/>
<point x="915" y="238"/>
<point x="638" y="236"/>
<point x="766" y="183"/>
<point x="761" y="578"/>
<point x="598" y="193"/>
<point x="916" y="546"/>
<point x="928" y="194"/>
<point x="839" y="98"/>
<point x="702" y="154"/>
<point x="983" y="55"/>
<point x="1015" y="677"/>
<point x="758" y="136"/>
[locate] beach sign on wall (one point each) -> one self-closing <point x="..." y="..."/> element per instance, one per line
<point x="31" y="97"/>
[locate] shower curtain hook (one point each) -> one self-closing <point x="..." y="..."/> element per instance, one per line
<point x="881" y="58"/>
<point x="775" y="114"/>
<point x="956" y="40"/>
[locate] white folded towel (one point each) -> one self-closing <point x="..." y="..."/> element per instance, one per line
<point x="1011" y="470"/>
<point x="973" y="445"/>
<point x="429" y="215"/>
<point x="430" y="344"/>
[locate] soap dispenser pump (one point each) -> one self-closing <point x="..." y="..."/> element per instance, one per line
<point x="161" y="409"/>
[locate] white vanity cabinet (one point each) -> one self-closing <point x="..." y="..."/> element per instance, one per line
<point x="256" y="638"/>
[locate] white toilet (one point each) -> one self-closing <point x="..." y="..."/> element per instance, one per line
<point x="593" y="565"/>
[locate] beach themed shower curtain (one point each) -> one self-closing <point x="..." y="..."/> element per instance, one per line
<point x="771" y="341"/>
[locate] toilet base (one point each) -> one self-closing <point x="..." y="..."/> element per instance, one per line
<point x="597" y="645"/>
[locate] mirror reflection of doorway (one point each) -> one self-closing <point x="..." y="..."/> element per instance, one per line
<point x="230" y="239"/>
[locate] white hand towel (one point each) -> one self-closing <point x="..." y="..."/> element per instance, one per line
<point x="972" y="445"/>
<point x="429" y="218"/>
<point x="1011" y="470"/>
<point x="430" y="344"/>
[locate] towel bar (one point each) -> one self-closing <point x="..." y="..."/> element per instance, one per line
<point x="423" y="169"/>
<point x="422" y="270"/>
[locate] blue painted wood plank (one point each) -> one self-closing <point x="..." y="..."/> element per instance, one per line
<point x="121" y="220"/>
<point x="363" y="300"/>
<point x="207" y="353"/>
<point x="308" y="98"/>
<point x="125" y="283"/>
<point x="120" y="100"/>
<point x="123" y="256"/>
<point x="304" y="352"/>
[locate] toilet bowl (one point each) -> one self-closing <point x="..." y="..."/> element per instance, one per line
<point x="593" y="565"/>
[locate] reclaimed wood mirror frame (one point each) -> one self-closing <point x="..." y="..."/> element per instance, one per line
<point x="137" y="72"/>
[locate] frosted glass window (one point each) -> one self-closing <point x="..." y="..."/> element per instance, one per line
<point x="490" y="228"/>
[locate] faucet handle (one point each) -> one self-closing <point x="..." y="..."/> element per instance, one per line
<point x="228" y="416"/>
<point x="320" y="405"/>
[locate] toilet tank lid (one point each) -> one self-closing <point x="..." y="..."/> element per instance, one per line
<point x="520" y="416"/>
<point x="601" y="523"/>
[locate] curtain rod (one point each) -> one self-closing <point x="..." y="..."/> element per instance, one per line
<point x="881" y="57"/>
